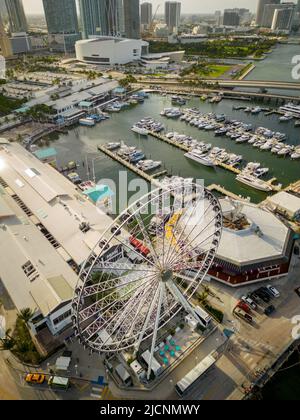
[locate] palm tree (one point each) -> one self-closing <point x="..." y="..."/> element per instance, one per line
<point x="202" y="297"/>
<point x="26" y="315"/>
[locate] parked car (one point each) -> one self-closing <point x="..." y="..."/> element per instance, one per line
<point x="256" y="299"/>
<point x="270" y="310"/>
<point x="35" y="379"/>
<point x="267" y="292"/>
<point x="249" y="302"/>
<point x="263" y="295"/>
<point x="259" y="296"/>
<point x="274" y="292"/>
<point x="242" y="305"/>
<point x="243" y="315"/>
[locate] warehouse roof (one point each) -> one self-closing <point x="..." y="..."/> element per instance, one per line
<point x="54" y="201"/>
<point x="286" y="201"/>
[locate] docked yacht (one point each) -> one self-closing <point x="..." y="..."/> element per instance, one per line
<point x="198" y="156"/>
<point x="296" y="154"/>
<point x="87" y="122"/>
<point x="291" y="109"/>
<point x="256" y="110"/>
<point x="261" y="172"/>
<point x="113" y="146"/>
<point x="243" y="139"/>
<point x="139" y="129"/>
<point x="148" y="165"/>
<point x="286" y="118"/>
<point x="254" y="182"/>
<point x="136" y="156"/>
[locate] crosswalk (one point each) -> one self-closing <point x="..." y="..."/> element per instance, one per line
<point x="246" y="346"/>
<point x="101" y="393"/>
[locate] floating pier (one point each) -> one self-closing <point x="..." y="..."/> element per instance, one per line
<point x="223" y="191"/>
<point x="188" y="149"/>
<point x="128" y="165"/>
<point x="169" y="141"/>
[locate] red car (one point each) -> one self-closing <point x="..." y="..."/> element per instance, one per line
<point x="242" y="305"/>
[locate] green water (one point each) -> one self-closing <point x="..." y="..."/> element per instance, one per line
<point x="277" y="66"/>
<point x="83" y="141"/>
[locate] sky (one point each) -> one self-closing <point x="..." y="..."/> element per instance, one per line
<point x="188" y="6"/>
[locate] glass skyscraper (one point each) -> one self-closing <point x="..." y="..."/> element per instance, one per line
<point x="132" y="21"/>
<point x="61" y="16"/>
<point x="62" y="24"/>
<point x="102" y="17"/>
<point x="16" y="16"/>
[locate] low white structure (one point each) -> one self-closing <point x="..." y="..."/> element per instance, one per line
<point x="255" y="245"/>
<point x="108" y="51"/>
<point x="285" y="203"/>
<point x="42" y="240"/>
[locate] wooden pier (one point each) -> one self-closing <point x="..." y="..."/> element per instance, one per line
<point x="188" y="149"/>
<point x="169" y="141"/>
<point x="223" y="191"/>
<point x="128" y="165"/>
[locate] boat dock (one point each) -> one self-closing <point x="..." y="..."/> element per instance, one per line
<point x="169" y="141"/>
<point x="294" y="187"/>
<point x="227" y="193"/>
<point x="229" y="167"/>
<point x="142" y="174"/>
<point x="277" y="187"/>
<point x="187" y="149"/>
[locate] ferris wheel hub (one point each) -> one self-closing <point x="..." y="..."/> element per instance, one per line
<point x="167" y="275"/>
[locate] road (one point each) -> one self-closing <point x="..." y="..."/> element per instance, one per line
<point x="257" y="84"/>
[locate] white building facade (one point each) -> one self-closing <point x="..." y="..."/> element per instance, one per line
<point x="108" y="51"/>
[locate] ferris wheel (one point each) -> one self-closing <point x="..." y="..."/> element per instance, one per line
<point x="146" y="269"/>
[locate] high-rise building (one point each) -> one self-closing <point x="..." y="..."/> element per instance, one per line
<point x="102" y="17"/>
<point x="231" y="17"/>
<point x="261" y="8"/>
<point x="62" y="24"/>
<point x="132" y="20"/>
<point x="5" y="45"/>
<point x="146" y="14"/>
<point x="172" y="15"/>
<point x="269" y="12"/>
<point x="283" y="19"/>
<point x="3" y="11"/>
<point x="16" y="16"/>
<point x="218" y="17"/>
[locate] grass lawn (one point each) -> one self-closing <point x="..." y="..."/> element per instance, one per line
<point x="217" y="70"/>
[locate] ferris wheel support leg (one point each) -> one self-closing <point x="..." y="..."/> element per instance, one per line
<point x="181" y="299"/>
<point x="154" y="338"/>
<point x="150" y="311"/>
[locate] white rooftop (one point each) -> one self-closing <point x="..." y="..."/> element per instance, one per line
<point x="286" y="201"/>
<point x="248" y="246"/>
<point x="48" y="281"/>
<point x="54" y="200"/>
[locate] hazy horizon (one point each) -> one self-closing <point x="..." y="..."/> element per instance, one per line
<point x="188" y="6"/>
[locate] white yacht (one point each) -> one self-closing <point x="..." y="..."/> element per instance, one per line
<point x="261" y="172"/>
<point x="286" y="118"/>
<point x="254" y="182"/>
<point x="113" y="146"/>
<point x="148" y="165"/>
<point x="200" y="157"/>
<point x="291" y="109"/>
<point x="296" y="154"/>
<point x="140" y="130"/>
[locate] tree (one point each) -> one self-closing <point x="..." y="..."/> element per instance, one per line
<point x="26" y="315"/>
<point x="202" y="297"/>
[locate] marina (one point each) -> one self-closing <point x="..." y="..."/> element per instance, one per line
<point x="84" y="140"/>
